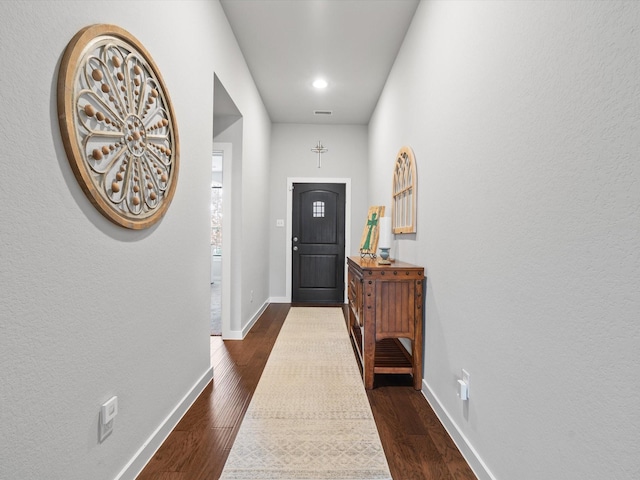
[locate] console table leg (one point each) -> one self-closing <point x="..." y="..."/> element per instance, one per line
<point x="369" y="364"/>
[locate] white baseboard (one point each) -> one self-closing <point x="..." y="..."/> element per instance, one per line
<point x="240" y="334"/>
<point x="157" y="438"/>
<point x="279" y="300"/>
<point x="466" y="449"/>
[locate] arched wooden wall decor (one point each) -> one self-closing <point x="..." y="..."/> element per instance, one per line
<point x="405" y="179"/>
<point x="118" y="126"/>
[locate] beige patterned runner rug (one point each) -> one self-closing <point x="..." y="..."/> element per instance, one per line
<point x="309" y="418"/>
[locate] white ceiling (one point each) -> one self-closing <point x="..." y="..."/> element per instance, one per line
<point x="350" y="43"/>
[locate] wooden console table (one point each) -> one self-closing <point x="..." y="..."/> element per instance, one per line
<point x="385" y="304"/>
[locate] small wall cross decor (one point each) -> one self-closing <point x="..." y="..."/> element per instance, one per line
<point x="319" y="149"/>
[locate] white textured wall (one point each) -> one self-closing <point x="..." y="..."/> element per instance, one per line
<point x="255" y="217"/>
<point x="89" y="309"/>
<point x="524" y="120"/>
<point x="291" y="156"/>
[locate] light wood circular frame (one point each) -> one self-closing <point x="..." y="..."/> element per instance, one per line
<point x="118" y="126"/>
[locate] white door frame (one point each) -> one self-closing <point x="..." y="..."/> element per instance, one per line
<point x="347" y="224"/>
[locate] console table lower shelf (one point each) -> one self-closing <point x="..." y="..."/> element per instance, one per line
<point x="391" y="356"/>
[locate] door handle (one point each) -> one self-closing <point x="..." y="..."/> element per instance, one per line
<point x="295" y="239"/>
<point x="295" y="248"/>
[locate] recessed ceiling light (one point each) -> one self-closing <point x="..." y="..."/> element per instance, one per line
<point x="320" y="83"/>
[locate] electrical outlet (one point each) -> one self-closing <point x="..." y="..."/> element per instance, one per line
<point x="463" y="390"/>
<point x="108" y="411"/>
<point x="104" y="430"/>
<point x="466" y="378"/>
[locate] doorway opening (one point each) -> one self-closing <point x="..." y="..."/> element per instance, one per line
<point x="216" y="242"/>
<point x="227" y="149"/>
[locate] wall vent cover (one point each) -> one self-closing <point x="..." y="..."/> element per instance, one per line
<point x="323" y="112"/>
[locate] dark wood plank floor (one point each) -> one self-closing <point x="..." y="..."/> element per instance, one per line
<point x="415" y="443"/>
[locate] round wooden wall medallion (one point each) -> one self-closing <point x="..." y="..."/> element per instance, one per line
<point x="118" y="126"/>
